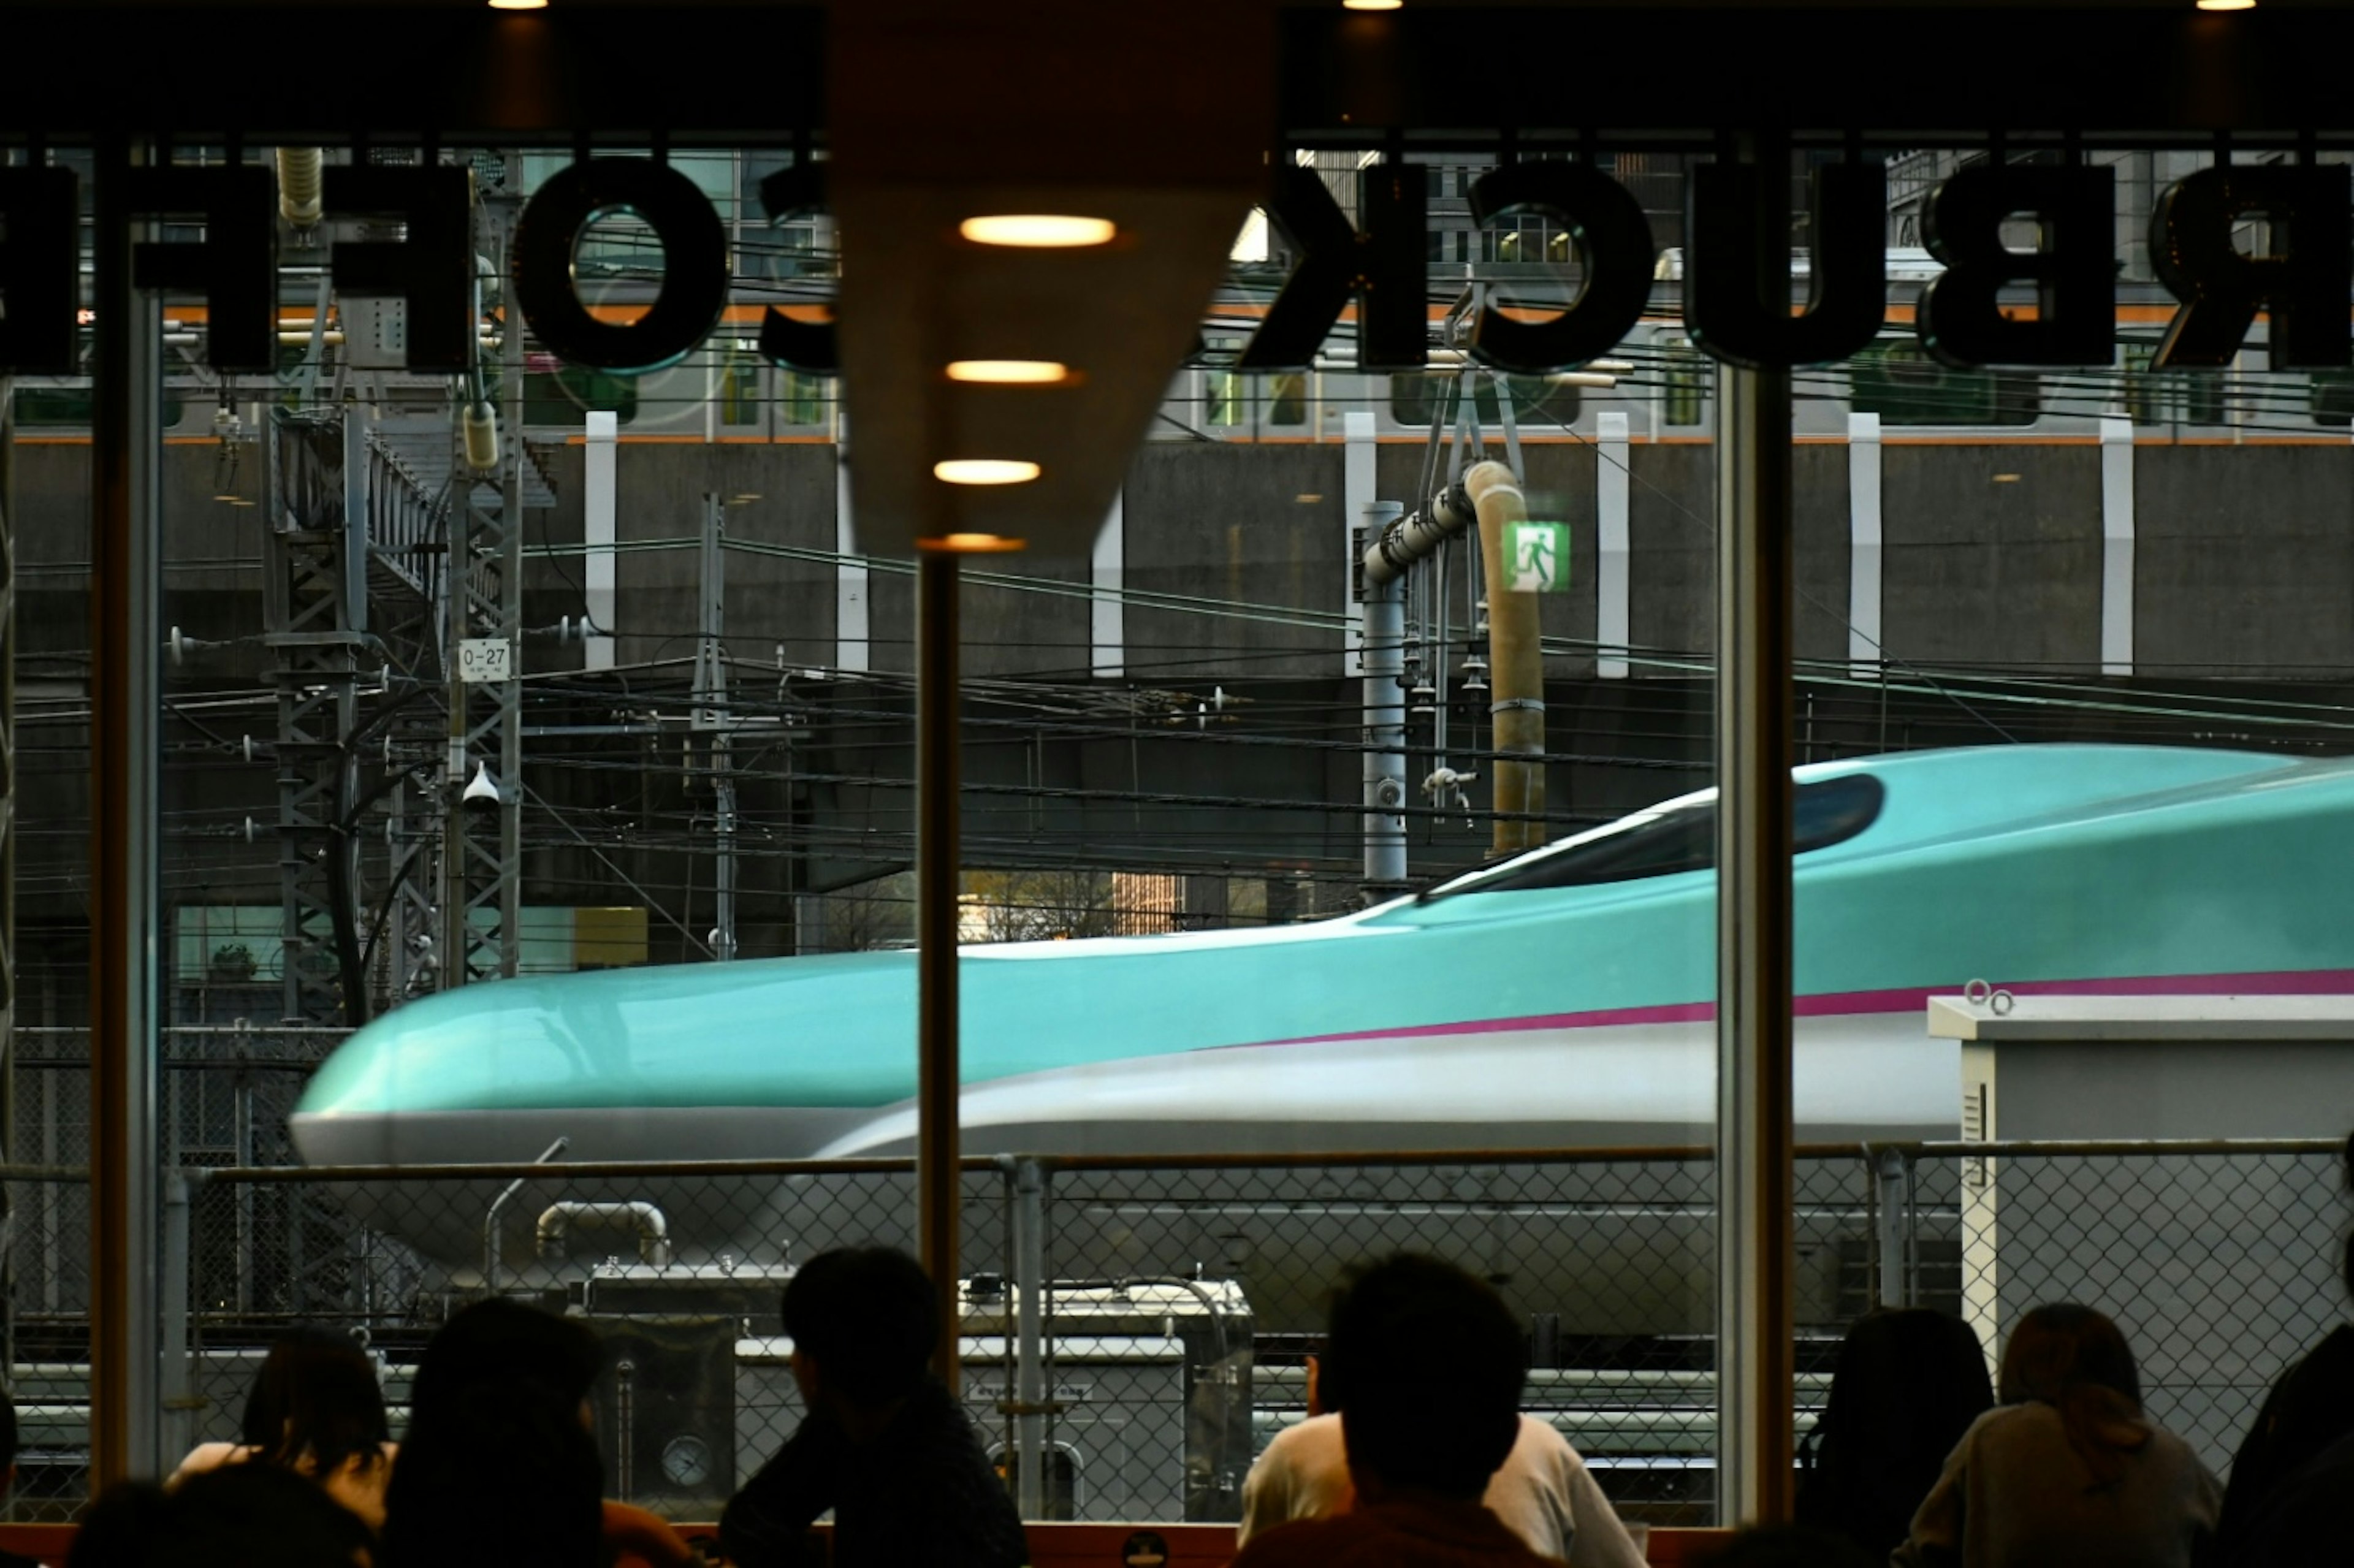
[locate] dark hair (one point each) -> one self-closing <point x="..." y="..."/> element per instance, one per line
<point x="1908" y="1384"/>
<point x="503" y="1343"/>
<point x="2076" y="1361"/>
<point x="316" y="1398"/>
<point x="867" y="1318"/>
<point x="498" y="1482"/>
<point x="239" y="1516"/>
<point x="1425" y="1364"/>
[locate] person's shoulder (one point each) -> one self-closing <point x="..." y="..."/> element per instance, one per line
<point x="1309" y="1436"/>
<point x="1308" y="1540"/>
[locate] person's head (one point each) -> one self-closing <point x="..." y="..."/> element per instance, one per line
<point x="502" y="1475"/>
<point x="502" y="1345"/>
<point x="1908" y="1382"/>
<point x="316" y="1397"/>
<point x="862" y="1321"/>
<point x="240" y="1516"/>
<point x="1425" y="1364"/>
<point x="2075" y="1359"/>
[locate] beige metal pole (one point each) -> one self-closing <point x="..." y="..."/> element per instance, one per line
<point x="1755" y="1354"/>
<point x="1518" y="672"/>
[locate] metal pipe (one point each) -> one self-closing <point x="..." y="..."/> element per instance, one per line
<point x="647" y="1220"/>
<point x="938" y="773"/>
<point x="1516" y="662"/>
<point x="1384" y="644"/>
<point x="1403" y="542"/>
<point x="1889" y="1172"/>
<point x="1029" y="1365"/>
<point x="176" y="1410"/>
<point x="498" y="1206"/>
<point x="126" y="429"/>
<point x="1754" y="1308"/>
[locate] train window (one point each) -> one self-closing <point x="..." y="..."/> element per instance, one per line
<point x="1683" y="393"/>
<point x="739" y="387"/>
<point x="1826" y="812"/>
<point x="1287" y="398"/>
<point x="1226" y="393"/>
<point x="2332" y="395"/>
<point x="559" y="396"/>
<point x="1900" y="382"/>
<point x="2169" y="397"/>
<point x="801" y="399"/>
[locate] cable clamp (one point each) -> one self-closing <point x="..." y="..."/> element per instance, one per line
<point x="1518" y="704"/>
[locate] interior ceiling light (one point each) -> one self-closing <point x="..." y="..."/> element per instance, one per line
<point x="2227" y="4"/>
<point x="1009" y="372"/>
<point x="1037" y="229"/>
<point x="985" y="471"/>
<point x="973" y="544"/>
<point x="1370" y="4"/>
<point x="518" y="4"/>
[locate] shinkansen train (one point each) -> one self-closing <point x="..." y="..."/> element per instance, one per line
<point x="1563" y="997"/>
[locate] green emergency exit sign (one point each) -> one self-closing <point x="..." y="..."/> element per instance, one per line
<point x="1539" y="562"/>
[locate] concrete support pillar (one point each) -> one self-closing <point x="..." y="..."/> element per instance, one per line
<point x="1863" y="632"/>
<point x="1613" y="590"/>
<point x="1109" y="617"/>
<point x="1359" y="490"/>
<point x="2116" y="547"/>
<point x="850" y="588"/>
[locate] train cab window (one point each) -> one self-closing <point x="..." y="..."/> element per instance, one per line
<point x="1826" y="812"/>
<point x="1900" y="382"/>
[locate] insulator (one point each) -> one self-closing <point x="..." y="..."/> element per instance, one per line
<point x="481" y="428"/>
<point x="298" y="185"/>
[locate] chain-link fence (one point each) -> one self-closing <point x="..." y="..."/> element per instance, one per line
<point x="1136" y="1329"/>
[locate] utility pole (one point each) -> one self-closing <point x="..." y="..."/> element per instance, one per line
<point x="482" y="776"/>
<point x="714" y="726"/>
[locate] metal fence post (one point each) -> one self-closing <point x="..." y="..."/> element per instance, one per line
<point x="1029" y="1369"/>
<point x="176" y="1408"/>
<point x="1890" y="1171"/>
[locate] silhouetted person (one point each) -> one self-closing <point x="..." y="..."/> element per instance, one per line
<point x="2067" y="1470"/>
<point x="9" y="1474"/>
<point x="881" y="1443"/>
<point x="2309" y="1410"/>
<point x="500" y="1469"/>
<point x="318" y="1410"/>
<point x="1543" y="1491"/>
<point x="1426" y="1364"/>
<point x="242" y="1516"/>
<point x="1908" y="1384"/>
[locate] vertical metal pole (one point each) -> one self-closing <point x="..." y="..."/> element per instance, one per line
<point x="939" y="771"/>
<point x="1029" y="1367"/>
<point x="1756" y="1363"/>
<point x="126" y="427"/>
<point x="175" y="1413"/>
<point x="1383" y="615"/>
<point x="1888" y="1171"/>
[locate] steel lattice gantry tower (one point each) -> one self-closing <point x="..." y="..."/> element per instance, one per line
<point x="316" y="603"/>
<point x="481" y="902"/>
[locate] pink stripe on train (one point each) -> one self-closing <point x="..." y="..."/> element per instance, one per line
<point x="1834" y="1005"/>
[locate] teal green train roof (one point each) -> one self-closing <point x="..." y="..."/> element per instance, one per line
<point x="2016" y="864"/>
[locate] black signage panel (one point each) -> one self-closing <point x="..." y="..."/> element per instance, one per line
<point x="694" y="264"/>
<point x="1962" y="321"/>
<point x="234" y="266"/>
<point x="1613" y="238"/>
<point x="2303" y="279"/>
<point x="433" y="270"/>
